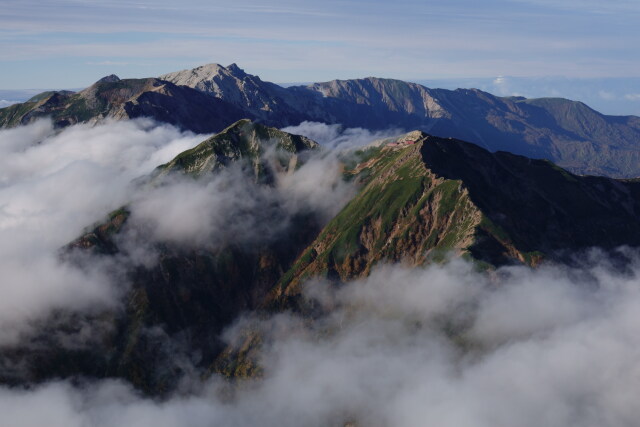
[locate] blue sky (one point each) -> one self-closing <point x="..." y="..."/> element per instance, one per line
<point x="71" y="43"/>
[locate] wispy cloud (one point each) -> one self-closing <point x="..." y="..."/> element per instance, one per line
<point x="289" y="41"/>
<point x="5" y="103"/>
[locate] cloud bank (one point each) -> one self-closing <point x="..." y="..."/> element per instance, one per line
<point x="52" y="185"/>
<point x="444" y="345"/>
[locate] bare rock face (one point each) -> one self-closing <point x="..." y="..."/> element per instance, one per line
<point x="206" y="78"/>
<point x="418" y="198"/>
<point x="111" y="97"/>
<point x="233" y="85"/>
<point x="394" y="95"/>
<point x="422" y="196"/>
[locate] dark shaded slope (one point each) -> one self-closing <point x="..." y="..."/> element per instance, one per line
<point x="567" y="132"/>
<point x="541" y="206"/>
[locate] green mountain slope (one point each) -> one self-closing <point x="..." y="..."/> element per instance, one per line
<point x="430" y="195"/>
<point x="242" y="140"/>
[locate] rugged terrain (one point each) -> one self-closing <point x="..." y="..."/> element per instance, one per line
<point x="118" y="99"/>
<point x="424" y="196"/>
<point x="569" y="133"/>
<point x="419" y="199"/>
<point x="188" y="296"/>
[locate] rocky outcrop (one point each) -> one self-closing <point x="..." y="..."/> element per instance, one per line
<point x="419" y="199"/>
<point x="243" y="140"/>
<point x="264" y="100"/>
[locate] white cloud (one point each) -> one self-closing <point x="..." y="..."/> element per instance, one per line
<point x="337" y="137"/>
<point x="5" y="103"/>
<point x="231" y="207"/>
<point x="606" y="95"/>
<point x="52" y="185"/>
<point x="500" y="80"/>
<point x="632" y="96"/>
<point x="444" y="345"/>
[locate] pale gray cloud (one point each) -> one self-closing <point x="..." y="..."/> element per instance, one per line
<point x="445" y="345"/>
<point x="6" y="103"/>
<point x="335" y="136"/>
<point x="230" y="206"/>
<point x="53" y="185"/>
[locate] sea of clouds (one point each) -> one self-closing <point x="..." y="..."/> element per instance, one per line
<point x="443" y="345"/>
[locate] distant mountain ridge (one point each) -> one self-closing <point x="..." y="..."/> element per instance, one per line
<point x="566" y="132"/>
<point x="111" y="97"/>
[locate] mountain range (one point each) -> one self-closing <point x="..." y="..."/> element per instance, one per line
<point x="418" y="199"/>
<point x="211" y="97"/>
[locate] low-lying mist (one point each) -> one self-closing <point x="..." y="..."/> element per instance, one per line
<point x="442" y="345"/>
<point x="52" y="185"/>
<point x="55" y="184"/>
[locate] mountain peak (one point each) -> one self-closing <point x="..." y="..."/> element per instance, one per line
<point x="213" y="67"/>
<point x="236" y="71"/>
<point x="111" y="78"/>
<point x="203" y="73"/>
<point x="242" y="140"/>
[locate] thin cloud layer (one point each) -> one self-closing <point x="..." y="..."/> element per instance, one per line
<point x="335" y="136"/>
<point x="6" y="103"/>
